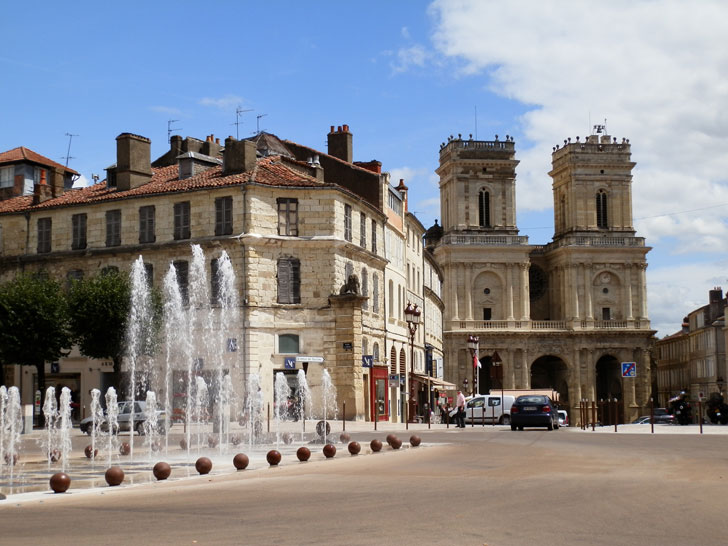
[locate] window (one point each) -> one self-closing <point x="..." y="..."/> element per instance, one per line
<point x="182" y="267"/>
<point x="6" y="176"/>
<point x="223" y="216"/>
<point x="374" y="236"/>
<point x="182" y="220"/>
<point x="375" y="352"/>
<point x="364" y="346"/>
<point x="348" y="271"/>
<point x="375" y="293"/>
<point x="146" y="224"/>
<point x="44" y="235"/>
<point x="110" y="270"/>
<point x="73" y="276"/>
<point x="149" y="273"/>
<point x="487" y="313"/>
<point x="113" y="227"/>
<point x="78" y="231"/>
<point x="347" y="222"/>
<point x="393" y="360"/>
<point x="606" y="313"/>
<point x="289" y="280"/>
<point x="362" y="230"/>
<point x="484" y="208"/>
<point x="288" y="217"/>
<point x="288" y="343"/>
<point x="402" y="362"/>
<point x="395" y="203"/>
<point x="602" y="210"/>
<point x="365" y="287"/>
<point x="391" y="299"/>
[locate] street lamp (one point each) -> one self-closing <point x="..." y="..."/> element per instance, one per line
<point x="412" y="316"/>
<point x="473" y="346"/>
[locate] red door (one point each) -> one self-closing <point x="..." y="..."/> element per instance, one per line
<point x="379" y="394"/>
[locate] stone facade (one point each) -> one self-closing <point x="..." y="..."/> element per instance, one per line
<point x="561" y="316"/>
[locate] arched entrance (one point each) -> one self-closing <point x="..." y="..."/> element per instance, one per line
<point x="609" y="388"/>
<point x="487" y="375"/>
<point x="550" y="372"/>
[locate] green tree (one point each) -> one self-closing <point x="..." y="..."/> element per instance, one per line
<point x="34" y="323"/>
<point x="99" y="307"/>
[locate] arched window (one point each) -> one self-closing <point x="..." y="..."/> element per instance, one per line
<point x="402" y="362"/>
<point x="484" y="208"/>
<point x="602" y="221"/>
<point x="375" y="352"/>
<point x="393" y="360"/>
<point x="365" y="287"/>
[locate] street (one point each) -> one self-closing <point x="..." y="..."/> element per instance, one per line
<point x="472" y="486"/>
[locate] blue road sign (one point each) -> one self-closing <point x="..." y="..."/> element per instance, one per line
<point x="289" y="362"/>
<point x="629" y="369"/>
<point x="367" y="361"/>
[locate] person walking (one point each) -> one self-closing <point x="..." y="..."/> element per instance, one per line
<point x="460" y="415"/>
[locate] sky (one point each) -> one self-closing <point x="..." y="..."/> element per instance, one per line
<point x="404" y="76"/>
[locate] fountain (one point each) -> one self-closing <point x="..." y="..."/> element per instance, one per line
<point x="112" y="422"/>
<point x="254" y="409"/>
<point x="3" y="407"/>
<point x="304" y="399"/>
<point x="283" y="393"/>
<point x="64" y="426"/>
<point x="97" y="417"/>
<point x="202" y="401"/>
<point x="11" y="430"/>
<point x="328" y="395"/>
<point x="151" y="425"/>
<point x="50" y="415"/>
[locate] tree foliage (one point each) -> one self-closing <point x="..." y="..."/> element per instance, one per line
<point x="34" y="322"/>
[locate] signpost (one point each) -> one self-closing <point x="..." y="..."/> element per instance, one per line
<point x="289" y="363"/>
<point x="629" y="369"/>
<point x="367" y="361"/>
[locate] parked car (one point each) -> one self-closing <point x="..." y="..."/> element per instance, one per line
<point x="662" y="416"/>
<point x="484" y="408"/>
<point x="642" y="420"/>
<point x="534" y="410"/>
<point x="125" y="419"/>
<point x="563" y="418"/>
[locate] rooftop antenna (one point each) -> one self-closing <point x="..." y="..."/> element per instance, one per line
<point x="239" y="111"/>
<point x="68" y="153"/>
<point x="257" y="122"/>
<point x="170" y="129"/>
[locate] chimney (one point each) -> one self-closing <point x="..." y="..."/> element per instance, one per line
<point x="57" y="182"/>
<point x="211" y="146"/>
<point x="341" y="143"/>
<point x="239" y="156"/>
<point x="133" y="161"/>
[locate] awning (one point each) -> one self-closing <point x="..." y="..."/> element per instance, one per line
<point x="435" y="382"/>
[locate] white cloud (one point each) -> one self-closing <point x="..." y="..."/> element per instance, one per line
<point x="407" y="57"/>
<point x="225" y="102"/>
<point x="167" y="110"/>
<point x="655" y="72"/>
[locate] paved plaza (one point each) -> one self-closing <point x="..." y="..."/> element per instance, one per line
<point x="480" y="485"/>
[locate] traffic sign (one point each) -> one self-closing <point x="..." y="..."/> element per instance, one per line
<point x="629" y="369"/>
<point x="367" y="361"/>
<point x="289" y="363"/>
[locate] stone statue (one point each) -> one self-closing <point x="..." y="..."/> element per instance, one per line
<point x="351" y="286"/>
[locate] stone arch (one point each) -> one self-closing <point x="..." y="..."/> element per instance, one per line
<point x="608" y="374"/>
<point x="551" y="372"/>
<point x="488" y="292"/>
<point x="607" y="295"/>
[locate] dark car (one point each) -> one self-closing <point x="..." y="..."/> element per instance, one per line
<point x="534" y="410"/>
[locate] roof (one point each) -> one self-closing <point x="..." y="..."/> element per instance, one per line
<point x="21" y="153"/>
<point x="269" y="171"/>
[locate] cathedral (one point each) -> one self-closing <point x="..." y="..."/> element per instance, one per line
<point x="570" y="315"/>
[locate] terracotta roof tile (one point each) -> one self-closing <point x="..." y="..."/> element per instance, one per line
<point x="21" y="153"/>
<point x="269" y="171"/>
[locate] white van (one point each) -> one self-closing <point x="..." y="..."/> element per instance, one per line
<point x="487" y="408"/>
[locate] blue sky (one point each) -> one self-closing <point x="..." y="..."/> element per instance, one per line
<point x="403" y="75"/>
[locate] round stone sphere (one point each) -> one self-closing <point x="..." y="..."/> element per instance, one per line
<point x="213" y="440"/>
<point x="329" y="451"/>
<point x="287" y="438"/>
<point x="55" y="455"/>
<point x="236" y="439"/>
<point x="391" y="438"/>
<point x="162" y="470"/>
<point x="273" y="457"/>
<point x="303" y="454"/>
<point x="183" y="443"/>
<point x="354" y="448"/>
<point x="114" y="476"/>
<point x="60" y="482"/>
<point x="90" y="452"/>
<point x="124" y="449"/>
<point x="376" y="445"/>
<point x="415" y="440"/>
<point x="396" y="444"/>
<point x="322" y="426"/>
<point x="203" y="465"/>
<point x="240" y="461"/>
<point x="344" y="437"/>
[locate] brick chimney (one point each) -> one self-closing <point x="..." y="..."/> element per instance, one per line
<point x="239" y="156"/>
<point x="211" y="146"/>
<point x="341" y="143"/>
<point x="133" y="161"/>
<point x="41" y="190"/>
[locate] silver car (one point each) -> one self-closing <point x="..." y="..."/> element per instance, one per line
<point x="125" y="419"/>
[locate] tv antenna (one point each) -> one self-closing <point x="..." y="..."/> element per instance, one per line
<point x="68" y="153"/>
<point x="257" y="122"/>
<point x="239" y="111"/>
<point x="170" y="129"/>
<point x="599" y="129"/>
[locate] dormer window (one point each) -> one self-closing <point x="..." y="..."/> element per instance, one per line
<point x="6" y="176"/>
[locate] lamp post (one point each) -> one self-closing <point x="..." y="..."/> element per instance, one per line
<point x="473" y="346"/>
<point x="412" y="316"/>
